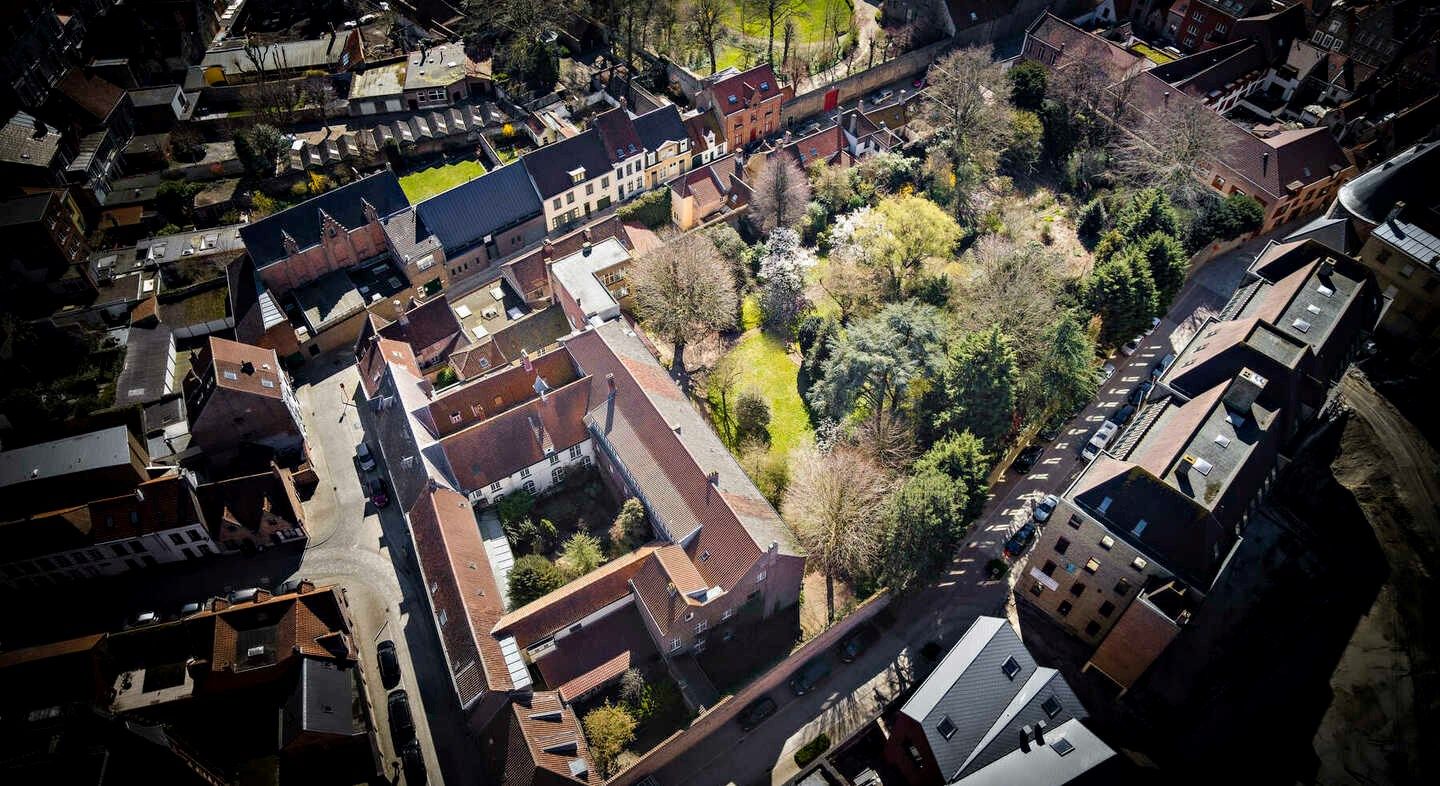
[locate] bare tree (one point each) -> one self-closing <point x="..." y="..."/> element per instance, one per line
<point x="272" y="96"/>
<point x="1014" y="287"/>
<point x="777" y="13"/>
<point x="1172" y="148"/>
<point x="684" y="290"/>
<point x="780" y="193"/>
<point x="966" y="106"/>
<point x="707" y="23"/>
<point x="851" y="281"/>
<point x="834" y="503"/>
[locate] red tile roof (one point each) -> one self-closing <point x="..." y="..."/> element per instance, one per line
<point x="245" y="500"/>
<point x="531" y="271"/>
<point x="536" y="741"/>
<point x="251" y="367"/>
<point x="748" y="87"/>
<point x="476" y="360"/>
<point x="1076" y="45"/>
<point x="599" y="653"/>
<point x="549" y="613"/>
<point x="425" y="325"/>
<point x="618" y="135"/>
<point x="521" y="437"/>
<point x="454" y="563"/>
<point x="94" y="94"/>
<point x="499" y="392"/>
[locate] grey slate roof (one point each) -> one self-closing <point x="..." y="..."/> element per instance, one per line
<point x="499" y="199"/>
<point x="550" y="166"/>
<point x="986" y="707"/>
<point x="323" y="701"/>
<point x="148" y="367"/>
<point x="1408" y="177"/>
<point x="409" y="235"/>
<point x="1051" y="764"/>
<point x="104" y="448"/>
<point x="659" y="126"/>
<point x="264" y="238"/>
<point x="25" y="209"/>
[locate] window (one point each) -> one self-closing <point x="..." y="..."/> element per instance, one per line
<point x="1122" y="587"/>
<point x="1138" y="563"/>
<point x="1077" y="589"/>
<point x="575" y="452"/>
<point x="1049" y="569"/>
<point x="119" y="549"/>
<point x="454" y="417"/>
<point x="1408" y="270"/>
<point x="80" y="557"/>
<point x="557" y="475"/>
<point x="1092" y="565"/>
<point x="1091" y="628"/>
<point x="1107" y="608"/>
<point x="589" y="189"/>
<point x="570" y="198"/>
<point x="1010" y="667"/>
<point x="704" y="555"/>
<point x="530" y="487"/>
<point x="605" y="182"/>
<point x="1074" y="522"/>
<point x="674" y="645"/>
<point x="443" y="618"/>
<point x="1062" y="545"/>
<point x="1107" y="542"/>
<point x="946" y="727"/>
<point x="554" y="459"/>
<point x="556" y="203"/>
<point x="1064" y="609"/>
<point x="701" y="626"/>
<point x="728" y="614"/>
<point x="203" y="549"/>
<point x="494" y="487"/>
<point x="177" y="539"/>
<point x="1051" y="706"/>
<point x="759" y="577"/>
<point x="137" y="547"/>
<point x="525" y="473"/>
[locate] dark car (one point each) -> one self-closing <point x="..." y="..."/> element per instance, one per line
<point x="1050" y="430"/>
<point x="402" y="726"/>
<point x="851" y="646"/>
<point x="809" y="676"/>
<point x="389" y="663"/>
<point x="1027" y="459"/>
<point x="1015" y="546"/>
<point x="1139" y="392"/>
<point x="376" y="488"/>
<point x="1123" y="414"/>
<point x="414" y="762"/>
<point x="756" y="712"/>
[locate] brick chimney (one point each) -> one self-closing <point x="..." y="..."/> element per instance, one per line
<point x="1244" y="390"/>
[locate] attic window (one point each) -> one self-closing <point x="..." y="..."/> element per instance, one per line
<point x="1313" y="309"/>
<point x="704" y="555"/>
<point x="1105" y="504"/>
<point x="269" y="383"/>
<point x="1222" y="440"/>
<point x="1324" y="290"/>
<point x="946" y="727"/>
<point x="1062" y="747"/>
<point x="231" y="375"/>
<point x="1010" y="667"/>
<point x="764" y="86"/>
<point x="1051" y="706"/>
<point x="1301" y="325"/>
<point x="1140" y="528"/>
<point x="732" y="99"/>
<point x="1203" y="467"/>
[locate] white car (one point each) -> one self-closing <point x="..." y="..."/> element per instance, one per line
<point x="367" y="460"/>
<point x="1105" y="373"/>
<point x="1131" y="346"/>
<point x="1045" y="507"/>
<point x="1100" y="441"/>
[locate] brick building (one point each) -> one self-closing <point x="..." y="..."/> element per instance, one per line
<point x="747" y="105"/>
<point x="239" y="399"/>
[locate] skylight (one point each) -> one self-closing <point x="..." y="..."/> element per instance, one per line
<point x="1062" y="746"/>
<point x="1313" y="309"/>
<point x="1051" y="706"/>
<point x="1105" y="504"/>
<point x="764" y="86"/>
<point x="1301" y="325"/>
<point x="1222" y="440"/>
<point x="946" y="727"/>
<point x="1324" y="290"/>
<point x="1140" y="528"/>
<point x="1011" y="667"/>
<point x="1203" y="467"/>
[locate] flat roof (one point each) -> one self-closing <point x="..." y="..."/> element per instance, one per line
<point x="576" y="273"/>
<point x="82" y="452"/>
<point x="378" y="81"/>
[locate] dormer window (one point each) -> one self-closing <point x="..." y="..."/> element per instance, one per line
<point x="764" y="86"/>
<point x="1010" y="667"/>
<point x="732" y="99"/>
<point x="577" y="174"/>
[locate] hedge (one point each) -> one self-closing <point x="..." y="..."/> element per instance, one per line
<point x="811" y="750"/>
<point x="651" y="209"/>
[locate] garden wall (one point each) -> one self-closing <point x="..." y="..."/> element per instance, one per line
<point x="850" y="88"/>
<point x="677" y="744"/>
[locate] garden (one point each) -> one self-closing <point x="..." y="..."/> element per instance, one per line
<point x="631" y="717"/>
<point x="427" y="180"/>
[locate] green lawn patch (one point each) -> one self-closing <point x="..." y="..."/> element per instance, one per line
<point x="429" y="182"/>
<point x="750" y="314"/>
<point x="811" y="750"/>
<point x="1152" y="54"/>
<point x="767" y="368"/>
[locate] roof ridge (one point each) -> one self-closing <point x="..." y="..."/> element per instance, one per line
<point x="1031" y="688"/>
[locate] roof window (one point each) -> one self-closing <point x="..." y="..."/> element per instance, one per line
<point x="1140" y="528"/>
<point x="1324" y="290"/>
<point x="1010" y="667"/>
<point x="1313" y="309"/>
<point x="1105" y="504"/>
<point x="764" y="86"/>
<point x="732" y="99"/>
<point x="1062" y="746"/>
<point x="946" y="727"/>
<point x="1222" y="440"/>
<point x="1301" y="325"/>
<point x="1202" y="466"/>
<point x="1051" y="706"/>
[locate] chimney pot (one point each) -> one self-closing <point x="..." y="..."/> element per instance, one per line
<point x="1040" y="732"/>
<point x="610" y="383"/>
<point x="1025" y="739"/>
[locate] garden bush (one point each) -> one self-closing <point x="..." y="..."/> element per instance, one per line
<point x="651" y="209"/>
<point x="811" y="750"/>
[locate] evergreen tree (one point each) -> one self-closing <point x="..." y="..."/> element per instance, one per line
<point x="1123" y="293"/>
<point x="961" y="458"/>
<point x="531" y="577"/>
<point x="923" y="528"/>
<point x="1166" y="258"/>
<point x="977" y="387"/>
<point x="1149" y="210"/>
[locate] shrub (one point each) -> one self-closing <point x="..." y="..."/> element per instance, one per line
<point x="446" y="376"/>
<point x="531" y="577"/>
<point x="514" y="506"/>
<point x="811" y="750"/>
<point x="651" y="209"/>
<point x="631" y="528"/>
<point x="632" y="686"/>
<point x="580" y="555"/>
<point x="752" y="417"/>
<point x="608" y="729"/>
<point x="769" y="471"/>
<point x="1092" y="220"/>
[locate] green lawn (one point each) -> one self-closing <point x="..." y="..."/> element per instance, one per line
<point x="809" y="24"/>
<point x="429" y="182"/>
<point x="1153" y="55"/>
<point x="766" y="367"/>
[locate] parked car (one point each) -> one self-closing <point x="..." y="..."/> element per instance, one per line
<point x="414" y="763"/>
<point x="1123" y="415"/>
<point x="1138" y="394"/>
<point x="1027" y="459"/>
<point x="1045" y="507"/>
<point x="1051" y="429"/>
<point x="193" y="607"/>
<point x="852" y="645"/>
<point x="389" y="663"/>
<point x="1131" y="346"/>
<point x="1154" y="323"/>
<point x="367" y="459"/>
<point x="376" y="487"/>
<point x="867" y="777"/>
<point x="289" y="587"/>
<point x="1162" y="365"/>
<point x="1100" y="440"/>
<point x="918" y="83"/>
<point x="756" y="712"/>
<point x="402" y="726"/>
<point x="882" y="96"/>
<point x="1015" y="546"/>
<point x="1105" y="373"/>
<point x="809" y="676"/>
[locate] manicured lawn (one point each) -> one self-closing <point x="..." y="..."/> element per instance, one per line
<point x="750" y="315"/>
<point x="1152" y="54"/>
<point x="809" y="24"/>
<point x="766" y="367"/>
<point x="429" y="182"/>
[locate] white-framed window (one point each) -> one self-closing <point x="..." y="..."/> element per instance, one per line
<point x="701" y="626"/>
<point x="557" y="475"/>
<point x="495" y="486"/>
<point x="730" y="612"/>
<point x="407" y="462"/>
<point x="674" y="645"/>
<point x="575" y="452"/>
<point x="530" y="486"/>
<point x="759" y="577"/>
<point x="454" y="417"/>
<point x="554" y="458"/>
<point x="1139" y="563"/>
<point x="525" y="473"/>
<point x="443" y="618"/>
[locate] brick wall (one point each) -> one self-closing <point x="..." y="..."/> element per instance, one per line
<point x="725" y="711"/>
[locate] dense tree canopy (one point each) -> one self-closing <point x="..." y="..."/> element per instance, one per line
<point x="1123" y="293"/>
<point x="923" y="528"/>
<point x="684" y="290"/>
<point x="531" y="577"/>
<point x="977" y="387"/>
<point x="873" y="365"/>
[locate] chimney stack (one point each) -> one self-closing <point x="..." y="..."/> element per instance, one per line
<point x="610" y="383"/>
<point x="1040" y="732"/>
<point x="1244" y="390"/>
<point x="1025" y="739"/>
<point x="1264" y="162"/>
<point x="714" y="477"/>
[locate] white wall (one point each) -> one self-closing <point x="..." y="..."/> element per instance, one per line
<point x="539" y="475"/>
<point x="104" y="558"/>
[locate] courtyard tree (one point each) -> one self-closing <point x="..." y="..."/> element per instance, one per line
<point x="902" y="232"/>
<point x="684" y="291"/>
<point x="1225" y="219"/>
<point x="752" y="418"/>
<point x="833" y="502"/>
<point x="1014" y="286"/>
<point x="531" y="577"/>
<point x="631" y="529"/>
<point x="579" y="555"/>
<point x="851" y="281"/>
<point x="706" y="21"/>
<point x="874" y="365"/>
<point x="782" y="280"/>
<point x="1163" y="254"/>
<point x="1173" y="149"/>
<point x="1149" y="210"/>
<point x="780" y="193"/>
<point x="963" y="459"/>
<point x="609" y="729"/>
<point x="1027" y="84"/>
<point x="1122" y="292"/>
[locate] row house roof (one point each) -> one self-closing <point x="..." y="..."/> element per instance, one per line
<point x="304" y="223"/>
<point x="745" y="89"/>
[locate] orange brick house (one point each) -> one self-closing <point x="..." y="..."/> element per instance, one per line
<point x="746" y="104"/>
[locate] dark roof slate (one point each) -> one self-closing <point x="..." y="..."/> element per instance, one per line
<point x="550" y="166"/>
<point x="264" y="238"/>
<point x="462" y="216"/>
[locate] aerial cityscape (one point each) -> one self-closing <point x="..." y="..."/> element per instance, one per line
<point x="719" y="392"/>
